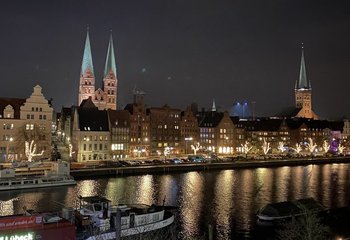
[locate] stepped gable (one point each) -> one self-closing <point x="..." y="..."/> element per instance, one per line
<point x="16" y="104"/>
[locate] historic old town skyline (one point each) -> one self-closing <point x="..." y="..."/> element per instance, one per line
<point x="180" y="52"/>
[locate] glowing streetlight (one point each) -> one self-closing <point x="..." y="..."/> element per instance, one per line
<point x="7" y="147"/>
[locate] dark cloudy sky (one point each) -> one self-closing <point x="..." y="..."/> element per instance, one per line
<point x="182" y="51"/>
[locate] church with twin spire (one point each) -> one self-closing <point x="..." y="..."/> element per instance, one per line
<point x="104" y="97"/>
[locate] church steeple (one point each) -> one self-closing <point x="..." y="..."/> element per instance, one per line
<point x="302" y="82"/>
<point x="110" y="80"/>
<point x="110" y="59"/>
<point x="303" y="92"/>
<point x="87" y="57"/>
<point x="213" y="108"/>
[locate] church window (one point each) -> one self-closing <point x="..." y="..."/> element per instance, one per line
<point x="32" y="116"/>
<point x="40" y="116"/>
<point x="32" y="109"/>
<point x="28" y="116"/>
<point x="44" y="117"/>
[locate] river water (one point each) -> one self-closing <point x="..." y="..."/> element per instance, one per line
<point x="226" y="199"/>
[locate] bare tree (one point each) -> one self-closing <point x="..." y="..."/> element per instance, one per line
<point x="305" y="227"/>
<point x="297" y="148"/>
<point x="281" y="146"/>
<point x="326" y="146"/>
<point x="311" y="146"/>
<point x="265" y="146"/>
<point x="246" y="148"/>
<point x="195" y="147"/>
<point x="30" y="150"/>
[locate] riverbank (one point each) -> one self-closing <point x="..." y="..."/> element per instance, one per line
<point x="186" y="167"/>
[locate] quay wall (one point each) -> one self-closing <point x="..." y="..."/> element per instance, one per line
<point x="186" y="167"/>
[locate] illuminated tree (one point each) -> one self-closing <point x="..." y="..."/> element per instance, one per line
<point x="311" y="146"/>
<point x="30" y="150"/>
<point x="71" y="152"/>
<point x="341" y="148"/>
<point x="196" y="147"/>
<point x="326" y="146"/>
<point x="265" y="146"/>
<point x="297" y="148"/>
<point x="246" y="147"/>
<point x="166" y="151"/>
<point x="281" y="146"/>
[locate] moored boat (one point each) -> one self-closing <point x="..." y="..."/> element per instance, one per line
<point x="112" y="222"/>
<point x="58" y="176"/>
<point x="32" y="226"/>
<point x="288" y="209"/>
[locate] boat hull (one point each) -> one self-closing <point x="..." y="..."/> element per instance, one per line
<point x="135" y="230"/>
<point x="38" y="184"/>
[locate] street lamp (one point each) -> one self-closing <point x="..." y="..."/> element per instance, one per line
<point x="186" y="140"/>
<point x="7" y="148"/>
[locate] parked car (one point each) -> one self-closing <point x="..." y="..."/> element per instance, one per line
<point x="176" y="161"/>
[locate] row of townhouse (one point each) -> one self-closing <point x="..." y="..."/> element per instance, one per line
<point x="25" y="120"/>
<point x="290" y="131"/>
<point x="138" y="131"/>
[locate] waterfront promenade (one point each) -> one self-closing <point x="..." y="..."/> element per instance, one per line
<point x="100" y="170"/>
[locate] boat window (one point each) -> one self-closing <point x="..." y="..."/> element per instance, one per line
<point x="155" y="217"/>
<point x="4" y="183"/>
<point x="124" y="221"/>
<point x="97" y="207"/>
<point x="142" y="220"/>
<point x="28" y="182"/>
<point x="15" y="183"/>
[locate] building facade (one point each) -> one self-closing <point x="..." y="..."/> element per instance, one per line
<point x="25" y="120"/>
<point x="140" y="128"/>
<point x="165" y="130"/>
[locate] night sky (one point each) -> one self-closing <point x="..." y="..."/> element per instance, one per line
<point x="182" y="51"/>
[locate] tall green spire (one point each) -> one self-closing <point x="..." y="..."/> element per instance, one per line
<point x="302" y="83"/>
<point x="110" y="59"/>
<point x="87" y="57"/>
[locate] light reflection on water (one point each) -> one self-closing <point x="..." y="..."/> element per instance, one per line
<point x="228" y="199"/>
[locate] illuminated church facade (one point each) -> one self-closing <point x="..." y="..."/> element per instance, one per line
<point x="104" y="97"/>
